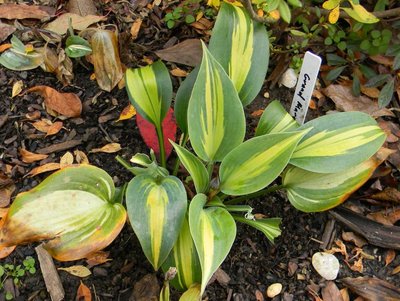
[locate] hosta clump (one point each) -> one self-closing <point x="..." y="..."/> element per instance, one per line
<point x="319" y="164"/>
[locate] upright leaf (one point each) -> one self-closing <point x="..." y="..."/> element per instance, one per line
<point x="192" y="294"/>
<point x="215" y="114"/>
<point x="241" y="46"/>
<point x="268" y="226"/>
<point x="213" y="230"/>
<point x="73" y="209"/>
<point x="310" y="192"/>
<point x="150" y="91"/>
<point x="337" y="142"/>
<point x="257" y="162"/>
<point x="156" y="209"/>
<point x="275" y="119"/>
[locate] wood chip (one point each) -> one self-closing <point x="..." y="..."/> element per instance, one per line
<point x="58" y="147"/>
<point x="373" y="288"/>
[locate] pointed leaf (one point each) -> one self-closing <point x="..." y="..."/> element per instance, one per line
<point x="20" y="61"/>
<point x="192" y="294"/>
<point x="275" y="119"/>
<point x="257" y="162"/>
<point x="185" y="259"/>
<point x="195" y="167"/>
<point x="360" y="14"/>
<point x="149" y="134"/>
<point x="268" y="226"/>
<point x="386" y="94"/>
<point x="72" y="209"/>
<point x="215" y="114"/>
<point x="156" y="209"/>
<point x="310" y="192"/>
<point x="338" y="142"/>
<point x="77" y="270"/>
<point x="241" y="46"/>
<point x="150" y="91"/>
<point x="213" y="230"/>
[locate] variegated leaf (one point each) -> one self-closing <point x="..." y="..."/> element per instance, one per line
<point x="337" y="142"/>
<point x="184" y="257"/>
<point x="257" y="162"/>
<point x="268" y="226"/>
<point x="150" y="91"/>
<point x="310" y="192"/>
<point x="73" y="209"/>
<point x="213" y="230"/>
<point x="241" y="46"/>
<point x="194" y="166"/>
<point x="192" y="294"/>
<point x="156" y="210"/>
<point x="275" y="119"/>
<point x="215" y="115"/>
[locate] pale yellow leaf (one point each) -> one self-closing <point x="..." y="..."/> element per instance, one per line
<point x="77" y="270"/>
<point x="60" y="25"/>
<point x="80" y="157"/>
<point x="108" y="148"/>
<point x="66" y="159"/>
<point x="178" y="72"/>
<point x="135" y="28"/>
<point x="17" y="88"/>
<point x="127" y="113"/>
<point x="44" y="168"/>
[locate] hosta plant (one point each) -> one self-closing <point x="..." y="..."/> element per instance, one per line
<point x="185" y="213"/>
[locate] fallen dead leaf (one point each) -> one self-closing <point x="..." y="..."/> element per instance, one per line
<point x="396" y="270"/>
<point x="22" y="11"/>
<point x="4" y="251"/>
<point x="390" y="130"/>
<point x="354" y="238"/>
<point x="80" y="157"/>
<point x="29" y="157"/>
<point x="259" y="296"/>
<point x="386" y="217"/>
<point x="4" y="47"/>
<point x="44" y="168"/>
<point x="127" y="113"/>
<point x="77" y="270"/>
<point x="82" y="7"/>
<point x="357" y="266"/>
<point x="54" y="128"/>
<point x="66" y="160"/>
<point x="108" y="148"/>
<point x="135" y="28"/>
<point x="345" y="294"/>
<point x="7" y="187"/>
<point x="83" y="293"/>
<point x="345" y="101"/>
<point x="178" y="72"/>
<point x="33" y="115"/>
<point x="331" y="292"/>
<point x="42" y="125"/>
<point x="5" y="31"/>
<point x="370" y="91"/>
<point x="382" y="59"/>
<point x="389" y="194"/>
<point x="60" y="25"/>
<point x="97" y="258"/>
<point x="66" y="104"/>
<point x="257" y="113"/>
<point x="389" y="257"/>
<point x="342" y="249"/>
<point x="188" y="52"/>
<point x="17" y="88"/>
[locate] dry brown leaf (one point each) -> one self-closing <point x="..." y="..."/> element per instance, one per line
<point x="80" y="157"/>
<point x="354" y="238"/>
<point x="346" y="101"/>
<point x="29" y="157"/>
<point x="7" y="187"/>
<point x="390" y="130"/>
<point x="60" y="25"/>
<point x="5" y="31"/>
<point x="4" y="251"/>
<point x="66" y="160"/>
<point x="383" y="60"/>
<point x="83" y="293"/>
<point x="331" y="292"/>
<point x="44" y="168"/>
<point x="389" y="194"/>
<point x="342" y="249"/>
<point x="386" y="217"/>
<point x="357" y="266"/>
<point x="33" y="115"/>
<point x="42" y="125"/>
<point x="108" y="148"/>
<point x="389" y="257"/>
<point x="345" y="294"/>
<point x="370" y="91"/>
<point x="189" y="52"/>
<point x="97" y="258"/>
<point x="22" y="11"/>
<point x="396" y="270"/>
<point x="82" y="7"/>
<point x="178" y="72"/>
<point x="66" y="104"/>
<point x="17" y="88"/>
<point x="259" y="296"/>
<point x="135" y="28"/>
<point x="202" y="25"/>
<point x="54" y="128"/>
<point x="77" y="270"/>
<point x="127" y="113"/>
<point x="257" y="113"/>
<point x="4" y="47"/>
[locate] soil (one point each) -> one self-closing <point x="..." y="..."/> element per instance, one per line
<point x="253" y="263"/>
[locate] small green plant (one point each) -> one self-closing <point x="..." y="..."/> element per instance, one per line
<point x="16" y="272"/>
<point x="187" y="12"/>
<point x="187" y="218"/>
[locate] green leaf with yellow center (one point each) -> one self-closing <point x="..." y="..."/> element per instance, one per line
<point x="216" y="119"/>
<point x="156" y="210"/>
<point x="150" y="91"/>
<point x="337" y="142"/>
<point x="275" y="119"/>
<point x="184" y="257"/>
<point x="257" y="162"/>
<point x="311" y="192"/>
<point x="213" y="230"/>
<point x="241" y="46"/>
<point x="73" y="209"/>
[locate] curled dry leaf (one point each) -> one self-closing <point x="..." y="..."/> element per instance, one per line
<point x="33" y="115"/>
<point x="345" y="294"/>
<point x="29" y="157"/>
<point x="66" y="160"/>
<point x="127" y="113"/>
<point x="105" y="59"/>
<point x="354" y="238"/>
<point x="77" y="270"/>
<point x="42" y="125"/>
<point x="7" y="188"/>
<point x="97" y="258"/>
<point x="189" y="52"/>
<point x="80" y="157"/>
<point x="390" y="256"/>
<point x="396" y="270"/>
<point x="389" y="194"/>
<point x="22" y="11"/>
<point x="44" y="168"/>
<point x="135" y="28"/>
<point x="60" y="25"/>
<point x="54" y="128"/>
<point x="83" y="293"/>
<point x="66" y="104"/>
<point x="108" y="148"/>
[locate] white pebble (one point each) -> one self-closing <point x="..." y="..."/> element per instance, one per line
<point x="326" y="265"/>
<point x="288" y="78"/>
<point x="274" y="290"/>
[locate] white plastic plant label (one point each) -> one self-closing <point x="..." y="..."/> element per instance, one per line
<point x="305" y="86"/>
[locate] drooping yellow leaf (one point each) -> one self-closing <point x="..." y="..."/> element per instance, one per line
<point x="77" y="270"/>
<point x="108" y="148"/>
<point x="29" y="157"/>
<point x="334" y="15"/>
<point x="127" y="113"/>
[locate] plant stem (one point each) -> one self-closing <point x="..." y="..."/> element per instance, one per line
<point x="254" y="194"/>
<point x="124" y="163"/>
<point x="160" y="136"/>
<point x="182" y="142"/>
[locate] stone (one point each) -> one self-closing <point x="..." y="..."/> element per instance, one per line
<point x="274" y="290"/>
<point x="326" y="265"/>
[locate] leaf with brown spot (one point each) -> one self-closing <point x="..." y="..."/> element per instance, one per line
<point x="389" y="257"/>
<point x="127" y="113"/>
<point x="189" y="52"/>
<point x="97" y="258"/>
<point x="66" y="160"/>
<point x="42" y="125"/>
<point x="373" y="289"/>
<point x="44" y="168"/>
<point x="83" y="293"/>
<point x="331" y="292"/>
<point x="77" y="270"/>
<point x="29" y="157"/>
<point x="17" y="88"/>
<point x="54" y="128"/>
<point x="22" y="11"/>
<point x="80" y="157"/>
<point x="61" y="24"/>
<point x="66" y="104"/>
<point x="108" y="148"/>
<point x="135" y="28"/>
